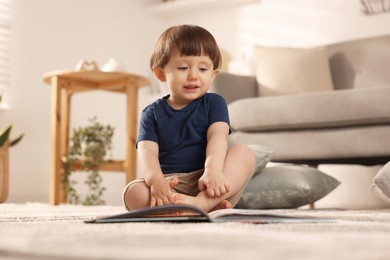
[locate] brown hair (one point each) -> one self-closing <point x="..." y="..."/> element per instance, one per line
<point x="189" y="40"/>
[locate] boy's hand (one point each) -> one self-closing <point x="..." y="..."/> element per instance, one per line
<point x="214" y="182"/>
<point x="161" y="192"/>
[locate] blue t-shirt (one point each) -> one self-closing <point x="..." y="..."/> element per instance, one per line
<point x="182" y="134"/>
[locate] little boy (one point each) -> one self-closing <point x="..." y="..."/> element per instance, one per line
<point x="182" y="143"/>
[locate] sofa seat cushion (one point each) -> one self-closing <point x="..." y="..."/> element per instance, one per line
<point x="314" y="144"/>
<point x="328" y="109"/>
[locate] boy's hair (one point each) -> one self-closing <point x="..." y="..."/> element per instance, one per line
<point x="189" y="40"/>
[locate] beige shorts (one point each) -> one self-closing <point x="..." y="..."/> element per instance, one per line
<point x="188" y="185"/>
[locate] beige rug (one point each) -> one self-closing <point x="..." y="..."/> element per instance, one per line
<point x="41" y="231"/>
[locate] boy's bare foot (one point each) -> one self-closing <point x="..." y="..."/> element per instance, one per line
<point x="223" y="205"/>
<point x="179" y="198"/>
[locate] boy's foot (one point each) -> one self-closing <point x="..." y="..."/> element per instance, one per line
<point x="223" y="205"/>
<point x="179" y="198"/>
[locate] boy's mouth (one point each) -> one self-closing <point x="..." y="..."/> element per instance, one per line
<point x="191" y="87"/>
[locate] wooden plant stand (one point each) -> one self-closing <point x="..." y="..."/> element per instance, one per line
<point x="4" y="172"/>
<point x="66" y="83"/>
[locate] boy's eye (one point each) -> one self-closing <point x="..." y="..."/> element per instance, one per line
<point x="182" y="68"/>
<point x="203" y="69"/>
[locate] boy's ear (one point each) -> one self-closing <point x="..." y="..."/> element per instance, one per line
<point x="159" y="74"/>
<point x="215" y="73"/>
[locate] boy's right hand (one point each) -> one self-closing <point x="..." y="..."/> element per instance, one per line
<point x="161" y="191"/>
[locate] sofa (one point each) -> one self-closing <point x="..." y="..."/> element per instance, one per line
<point x="326" y="104"/>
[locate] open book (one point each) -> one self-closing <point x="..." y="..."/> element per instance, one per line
<point x="186" y="213"/>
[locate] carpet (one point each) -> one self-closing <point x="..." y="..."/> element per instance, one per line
<point x="42" y="231"/>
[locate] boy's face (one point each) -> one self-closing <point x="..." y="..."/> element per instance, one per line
<point x="187" y="78"/>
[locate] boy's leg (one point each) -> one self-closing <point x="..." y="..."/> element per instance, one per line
<point x="137" y="194"/>
<point x="238" y="169"/>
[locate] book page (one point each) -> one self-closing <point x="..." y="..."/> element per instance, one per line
<point x="226" y="212"/>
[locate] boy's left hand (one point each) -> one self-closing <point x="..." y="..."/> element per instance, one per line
<point x="214" y="182"/>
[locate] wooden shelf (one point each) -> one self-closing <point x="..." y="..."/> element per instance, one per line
<point x="87" y="80"/>
<point x="66" y="83"/>
<point x="109" y="165"/>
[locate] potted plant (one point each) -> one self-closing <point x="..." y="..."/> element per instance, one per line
<point x="5" y="143"/>
<point x="89" y="146"/>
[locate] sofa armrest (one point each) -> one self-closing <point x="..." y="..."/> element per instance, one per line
<point x="232" y="87"/>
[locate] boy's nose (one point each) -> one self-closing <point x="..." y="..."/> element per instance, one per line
<point x="193" y="74"/>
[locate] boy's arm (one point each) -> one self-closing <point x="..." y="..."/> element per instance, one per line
<point x="213" y="178"/>
<point x="160" y="189"/>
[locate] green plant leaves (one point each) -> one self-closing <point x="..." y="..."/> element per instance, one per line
<point x="89" y="146"/>
<point x="4" y="135"/>
<point x="16" y="140"/>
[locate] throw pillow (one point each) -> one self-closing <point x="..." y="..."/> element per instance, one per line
<point x="281" y="71"/>
<point x="263" y="155"/>
<point x="286" y="186"/>
<point x="381" y="183"/>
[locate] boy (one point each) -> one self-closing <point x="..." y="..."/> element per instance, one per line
<point x="182" y="143"/>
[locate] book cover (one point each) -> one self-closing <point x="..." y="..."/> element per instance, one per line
<point x="186" y="213"/>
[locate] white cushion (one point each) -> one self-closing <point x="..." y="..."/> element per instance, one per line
<point x="355" y="191"/>
<point x="381" y="183"/>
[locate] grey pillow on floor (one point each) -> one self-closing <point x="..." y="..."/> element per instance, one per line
<point x="287" y="186"/>
<point x="381" y="183"/>
<point x="263" y="155"/>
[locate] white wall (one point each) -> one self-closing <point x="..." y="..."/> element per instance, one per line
<point x="56" y="34"/>
<point x="298" y="23"/>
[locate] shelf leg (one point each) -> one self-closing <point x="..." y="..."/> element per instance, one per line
<point x="55" y="178"/>
<point x="131" y="133"/>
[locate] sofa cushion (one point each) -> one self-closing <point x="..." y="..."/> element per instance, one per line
<point x="327" y="143"/>
<point x="233" y="87"/>
<point x="287" y="186"/>
<point x="281" y="71"/>
<point x="360" y="63"/>
<point x="341" y="108"/>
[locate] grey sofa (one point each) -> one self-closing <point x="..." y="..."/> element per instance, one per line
<point x="348" y="124"/>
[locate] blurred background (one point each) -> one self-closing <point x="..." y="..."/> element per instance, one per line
<point x="48" y="35"/>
